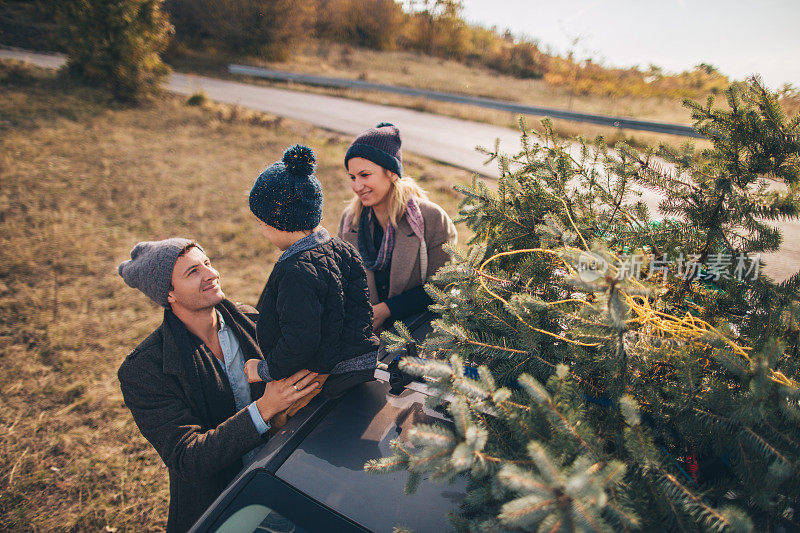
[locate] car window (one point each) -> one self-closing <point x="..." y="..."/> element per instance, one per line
<point x="265" y="503"/>
<point x="328" y="465"/>
<point x="258" y="518"/>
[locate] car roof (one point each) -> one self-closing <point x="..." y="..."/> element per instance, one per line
<point x="322" y="451"/>
<point x="328" y="465"/>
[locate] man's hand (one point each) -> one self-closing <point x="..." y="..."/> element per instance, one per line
<point x="251" y="370"/>
<point x="281" y="393"/>
<point x="380" y="312"/>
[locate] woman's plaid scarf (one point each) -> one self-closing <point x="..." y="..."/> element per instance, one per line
<point x="379" y="259"/>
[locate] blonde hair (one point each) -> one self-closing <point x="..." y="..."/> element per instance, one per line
<point x="400" y="191"/>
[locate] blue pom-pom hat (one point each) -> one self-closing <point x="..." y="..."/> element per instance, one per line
<point x="287" y="195"/>
<point x="381" y="145"/>
<point x="299" y="160"/>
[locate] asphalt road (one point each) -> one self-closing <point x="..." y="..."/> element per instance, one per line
<point x="443" y="139"/>
<point x="478" y="101"/>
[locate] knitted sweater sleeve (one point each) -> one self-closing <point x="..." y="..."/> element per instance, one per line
<point x="408" y="303"/>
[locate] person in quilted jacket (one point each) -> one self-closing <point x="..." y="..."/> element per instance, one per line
<point x="314" y="311"/>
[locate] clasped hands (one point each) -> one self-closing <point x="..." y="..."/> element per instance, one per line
<point x="279" y="394"/>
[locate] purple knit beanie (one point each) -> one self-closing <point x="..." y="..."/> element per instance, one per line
<point x="381" y="145"/>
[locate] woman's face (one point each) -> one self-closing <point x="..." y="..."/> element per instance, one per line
<point x="370" y="181"/>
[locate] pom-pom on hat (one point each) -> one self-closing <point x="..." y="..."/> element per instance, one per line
<point x="381" y="145"/>
<point x="287" y="195"/>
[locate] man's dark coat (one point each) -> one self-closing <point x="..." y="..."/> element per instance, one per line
<point x="183" y="404"/>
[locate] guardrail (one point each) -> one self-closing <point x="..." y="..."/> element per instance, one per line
<point x="602" y="120"/>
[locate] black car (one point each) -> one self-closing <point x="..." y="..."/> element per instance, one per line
<point x="310" y="476"/>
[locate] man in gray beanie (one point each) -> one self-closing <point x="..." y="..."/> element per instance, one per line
<point x="185" y="383"/>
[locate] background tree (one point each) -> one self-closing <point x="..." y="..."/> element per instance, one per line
<point x="438" y="29"/>
<point x="115" y="44"/>
<point x="521" y="59"/>
<point x="277" y="29"/>
<point x="270" y="28"/>
<point x="371" y="23"/>
<point x="605" y="371"/>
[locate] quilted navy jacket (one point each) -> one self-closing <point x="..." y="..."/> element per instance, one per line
<point x="314" y="310"/>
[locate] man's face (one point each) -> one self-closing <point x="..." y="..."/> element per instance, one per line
<point x="195" y="284"/>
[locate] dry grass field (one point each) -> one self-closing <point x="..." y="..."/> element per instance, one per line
<point x="81" y="181"/>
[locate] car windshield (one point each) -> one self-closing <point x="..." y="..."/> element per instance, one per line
<point x="328" y="465"/>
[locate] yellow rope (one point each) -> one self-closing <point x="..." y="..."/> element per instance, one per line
<point x="664" y="325"/>
<point x="576" y="300"/>
<point x="689" y="327"/>
<point x="566" y="210"/>
<point x="483" y="275"/>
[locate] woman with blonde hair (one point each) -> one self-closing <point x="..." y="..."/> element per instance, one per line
<point x="398" y="232"/>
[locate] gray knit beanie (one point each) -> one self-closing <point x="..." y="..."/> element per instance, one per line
<point x="150" y="267"/>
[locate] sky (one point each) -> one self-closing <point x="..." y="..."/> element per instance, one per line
<point x="739" y="37"/>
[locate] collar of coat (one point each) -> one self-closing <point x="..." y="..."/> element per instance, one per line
<point x="306" y="243"/>
<point x="180" y="342"/>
